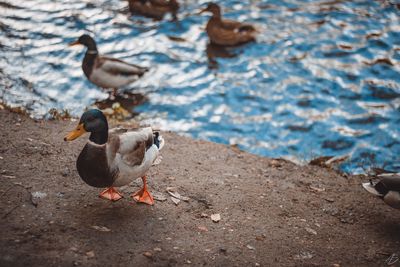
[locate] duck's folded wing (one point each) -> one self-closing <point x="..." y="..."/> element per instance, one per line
<point x="133" y="145"/>
<point x="236" y="26"/>
<point x="160" y="3"/>
<point x="115" y="66"/>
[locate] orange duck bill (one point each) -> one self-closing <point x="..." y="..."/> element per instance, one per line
<point x="79" y="130"/>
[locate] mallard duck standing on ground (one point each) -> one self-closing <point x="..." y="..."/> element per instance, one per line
<point x="117" y="157"/>
<point x="227" y="32"/>
<point x="106" y="72"/>
<point x="155" y="9"/>
<point x="387" y="188"/>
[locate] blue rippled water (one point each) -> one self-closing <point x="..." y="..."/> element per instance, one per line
<point x="322" y="79"/>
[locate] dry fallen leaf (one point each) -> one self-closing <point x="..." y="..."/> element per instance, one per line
<point x="174" y="194"/>
<point x="175" y="200"/>
<point x="215" y="217"/>
<point x="317" y="189"/>
<point x="159" y="196"/>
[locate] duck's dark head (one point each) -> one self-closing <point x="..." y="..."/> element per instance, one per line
<point x="94" y="122"/>
<point x="87" y="41"/>
<point x="213" y="8"/>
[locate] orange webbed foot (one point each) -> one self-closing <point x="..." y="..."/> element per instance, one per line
<point x="111" y="194"/>
<point x="143" y="196"/>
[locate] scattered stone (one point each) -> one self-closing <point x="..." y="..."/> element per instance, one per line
<point x="74" y="249"/>
<point x="157" y="249"/>
<point x="336" y="265"/>
<point x="250" y="247"/>
<point x="329" y="199"/>
<point x="303" y="255"/>
<point x="275" y="163"/>
<point x="9" y="176"/>
<point x="311" y="231"/>
<point x="347" y="220"/>
<point x="148" y="254"/>
<point x="202" y="228"/>
<point x="261" y="237"/>
<point x="101" y="228"/>
<point x="204" y="215"/>
<point x="90" y="254"/>
<point x="215" y="217"/>
<point x="39" y="194"/>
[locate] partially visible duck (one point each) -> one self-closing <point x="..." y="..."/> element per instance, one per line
<point x="387" y="188"/>
<point x="227" y="32"/>
<point x="106" y="72"/>
<point x="116" y="157"/>
<point x="155" y="9"/>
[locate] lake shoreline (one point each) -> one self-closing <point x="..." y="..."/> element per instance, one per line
<point x="272" y="212"/>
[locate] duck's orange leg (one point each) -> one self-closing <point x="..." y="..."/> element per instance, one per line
<point x="111" y="194"/>
<point x="143" y="195"/>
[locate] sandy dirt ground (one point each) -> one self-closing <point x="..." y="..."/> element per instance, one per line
<point x="273" y="212"/>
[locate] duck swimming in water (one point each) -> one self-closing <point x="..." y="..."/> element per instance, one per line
<point x="106" y="72"/>
<point x="227" y="32"/>
<point x="155" y="9"/>
<point x="116" y="157"/>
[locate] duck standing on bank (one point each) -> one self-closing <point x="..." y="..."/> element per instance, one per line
<point x="117" y="157"/>
<point x="106" y="72"/>
<point x="227" y="32"/>
<point x="387" y="188"/>
<point x="155" y="9"/>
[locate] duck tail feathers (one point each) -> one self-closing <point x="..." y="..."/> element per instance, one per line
<point x="158" y="140"/>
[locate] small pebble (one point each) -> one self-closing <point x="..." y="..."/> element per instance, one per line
<point x="148" y="254"/>
<point x="250" y="247"/>
<point x="90" y="254"/>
